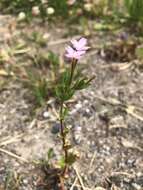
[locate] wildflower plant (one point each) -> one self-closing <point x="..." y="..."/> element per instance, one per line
<point x="70" y="82"/>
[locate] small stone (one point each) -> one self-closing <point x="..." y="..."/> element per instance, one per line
<point x="25" y="181"/>
<point x="131" y="162"/>
<point x="77" y="138"/>
<point x="78" y="128"/>
<point x="85" y="102"/>
<point x="139" y="174"/>
<point x="93" y="143"/>
<point x="88" y="142"/>
<point x="46" y="114"/>
<point x="87" y="110"/>
<point x="78" y="106"/>
<point x="92" y="93"/>
<point x="55" y="128"/>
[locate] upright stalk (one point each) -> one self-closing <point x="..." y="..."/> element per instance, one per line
<point x="73" y="65"/>
<point x="63" y="134"/>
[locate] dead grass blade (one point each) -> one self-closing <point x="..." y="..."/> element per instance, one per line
<point x="118" y="67"/>
<point x="74" y="183"/>
<point x="92" y="160"/>
<point x="131" y="110"/>
<point x="14" y="155"/>
<point x="21" y="51"/>
<point x="79" y="179"/>
<point x="11" y="140"/>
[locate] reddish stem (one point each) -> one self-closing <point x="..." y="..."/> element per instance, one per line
<point x="63" y="142"/>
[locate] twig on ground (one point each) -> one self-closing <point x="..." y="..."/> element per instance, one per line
<point x="92" y="160"/>
<point x="119" y="66"/>
<point x="74" y="183"/>
<point x="32" y="123"/>
<point x="14" y="155"/>
<point x="80" y="179"/>
<point x="131" y="110"/>
<point x="11" y="140"/>
<point x="123" y="173"/>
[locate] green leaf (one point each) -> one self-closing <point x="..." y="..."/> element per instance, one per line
<point x="62" y="162"/>
<point x="71" y="158"/>
<point x="53" y="58"/>
<point x="50" y="153"/>
<point x="81" y="84"/>
<point x="65" y="78"/>
<point x="38" y="86"/>
<point x="64" y="93"/>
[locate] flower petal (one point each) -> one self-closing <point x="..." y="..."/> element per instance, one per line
<point x="82" y="42"/>
<point x="70" y="50"/>
<point x="74" y="42"/>
<point x="80" y="45"/>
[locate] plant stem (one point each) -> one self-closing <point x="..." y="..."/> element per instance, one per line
<point x="73" y="65"/>
<point x="63" y="136"/>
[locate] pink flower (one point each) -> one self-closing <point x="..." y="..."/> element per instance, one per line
<point x="78" y="49"/>
<point x="73" y="54"/>
<point x="80" y="45"/>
